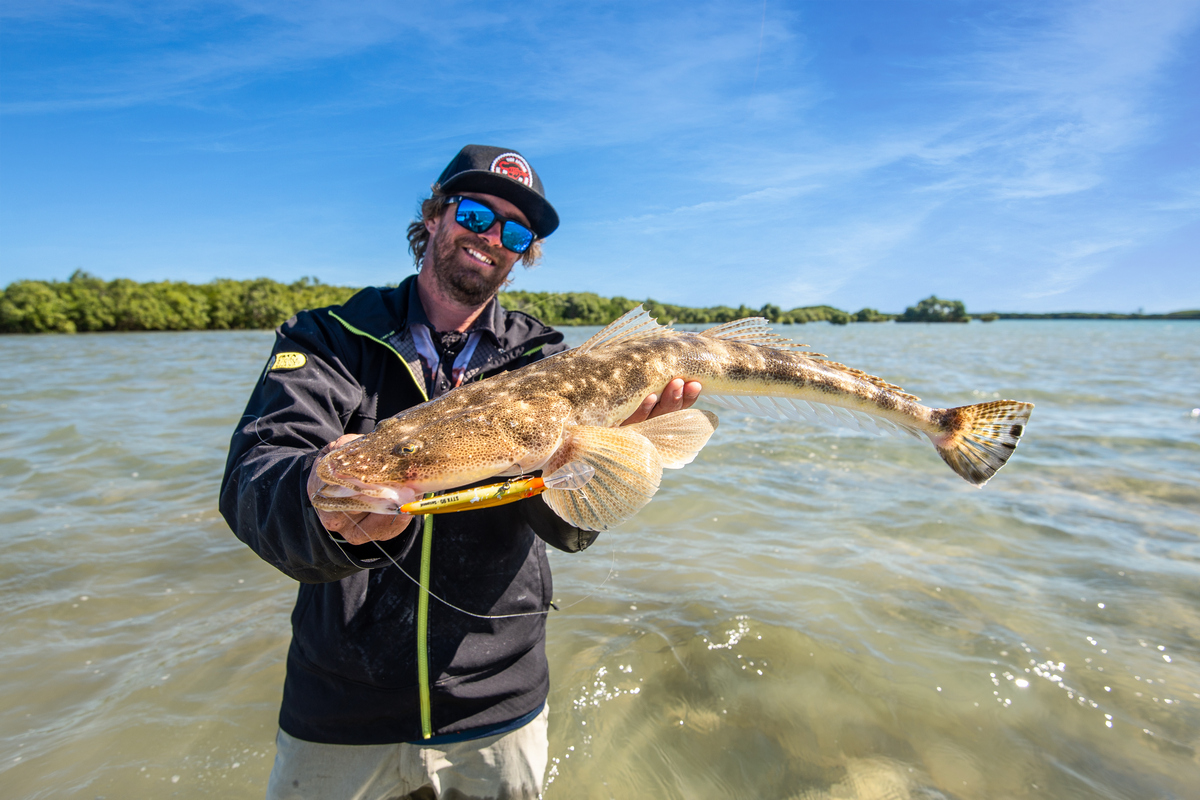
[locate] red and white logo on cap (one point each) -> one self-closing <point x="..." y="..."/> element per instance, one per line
<point x="513" y="166"/>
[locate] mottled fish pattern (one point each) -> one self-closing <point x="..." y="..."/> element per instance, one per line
<point x="566" y="408"/>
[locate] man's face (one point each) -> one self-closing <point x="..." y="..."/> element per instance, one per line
<point x="470" y="268"/>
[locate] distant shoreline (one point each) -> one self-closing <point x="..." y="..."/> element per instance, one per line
<point x="1175" y="315"/>
<point x="85" y="303"/>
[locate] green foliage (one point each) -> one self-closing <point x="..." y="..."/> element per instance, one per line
<point x="992" y="317"/>
<point x="771" y="313"/>
<point x="799" y="316"/>
<point x="163" y="306"/>
<point x="34" y="307"/>
<point x="587" y="308"/>
<point x="871" y="315"/>
<point x="932" y="309"/>
<point x="1190" y="314"/>
<point x="87" y="303"/>
<point x="93" y="308"/>
<point x="567" y="308"/>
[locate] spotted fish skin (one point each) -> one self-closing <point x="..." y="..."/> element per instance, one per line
<point x="565" y="408"/>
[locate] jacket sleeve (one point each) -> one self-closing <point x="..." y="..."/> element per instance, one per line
<point x="293" y="412"/>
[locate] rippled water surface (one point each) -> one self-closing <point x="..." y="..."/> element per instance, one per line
<point x="802" y="613"/>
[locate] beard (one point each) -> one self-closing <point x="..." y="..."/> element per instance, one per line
<point x="466" y="283"/>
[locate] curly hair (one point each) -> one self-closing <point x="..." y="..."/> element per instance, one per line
<point x="431" y="207"/>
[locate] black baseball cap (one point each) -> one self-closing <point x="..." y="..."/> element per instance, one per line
<point x="503" y="173"/>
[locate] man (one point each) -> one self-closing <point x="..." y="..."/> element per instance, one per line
<point x="392" y="691"/>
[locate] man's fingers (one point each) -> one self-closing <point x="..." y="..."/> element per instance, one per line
<point x="336" y="521"/>
<point x="360" y="528"/>
<point x="377" y="527"/>
<point x="341" y="440"/>
<point x="676" y="396"/>
<point x="671" y="399"/>
<point x="643" y="411"/>
<point x="338" y="442"/>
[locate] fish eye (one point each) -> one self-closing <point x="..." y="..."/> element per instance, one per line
<point x="407" y="449"/>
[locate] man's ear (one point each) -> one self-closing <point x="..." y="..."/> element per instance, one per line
<point x="431" y="224"/>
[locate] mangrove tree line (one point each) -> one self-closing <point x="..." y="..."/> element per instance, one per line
<point x="87" y="303"/>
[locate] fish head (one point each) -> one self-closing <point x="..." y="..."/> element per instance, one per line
<point x="432" y="448"/>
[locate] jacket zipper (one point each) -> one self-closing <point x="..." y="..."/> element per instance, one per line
<point x="423" y="629"/>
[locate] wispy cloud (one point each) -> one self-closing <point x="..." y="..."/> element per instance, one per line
<point x="1056" y="100"/>
<point x="1010" y="145"/>
<point x="1074" y="265"/>
<point x="185" y="51"/>
<point x="1028" y="117"/>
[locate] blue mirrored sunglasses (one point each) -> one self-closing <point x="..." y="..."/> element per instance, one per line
<point x="475" y="216"/>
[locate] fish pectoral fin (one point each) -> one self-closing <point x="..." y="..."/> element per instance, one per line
<point x="678" y="437"/>
<point x="628" y="470"/>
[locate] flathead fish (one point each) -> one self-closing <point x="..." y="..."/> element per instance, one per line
<point x="566" y="409"/>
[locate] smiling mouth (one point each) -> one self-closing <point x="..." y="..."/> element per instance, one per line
<point x="478" y="256"/>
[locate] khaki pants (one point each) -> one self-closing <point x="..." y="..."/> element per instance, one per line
<point x="510" y="765"/>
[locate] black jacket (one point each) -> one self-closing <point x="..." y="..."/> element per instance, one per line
<point x="352" y="665"/>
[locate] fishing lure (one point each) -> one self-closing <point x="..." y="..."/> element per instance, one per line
<point x="569" y="476"/>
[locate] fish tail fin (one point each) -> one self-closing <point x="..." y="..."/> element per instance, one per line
<point x="979" y="439"/>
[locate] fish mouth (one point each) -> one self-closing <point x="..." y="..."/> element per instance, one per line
<point x="344" y="490"/>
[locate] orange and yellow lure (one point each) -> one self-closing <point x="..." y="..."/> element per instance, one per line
<point x="569" y="476"/>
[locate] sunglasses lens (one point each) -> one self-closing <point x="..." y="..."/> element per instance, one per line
<point x="474" y="216"/>
<point x="479" y="218"/>
<point x="516" y="237"/>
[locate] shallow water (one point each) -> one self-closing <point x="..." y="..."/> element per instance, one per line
<point x="846" y="619"/>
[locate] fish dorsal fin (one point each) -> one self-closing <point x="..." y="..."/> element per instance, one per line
<point x="874" y="380"/>
<point x="628" y="470"/>
<point x="636" y="322"/>
<point x="755" y="331"/>
<point x="678" y="437"/>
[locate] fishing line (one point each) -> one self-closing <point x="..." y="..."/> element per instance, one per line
<point x="445" y="602"/>
<point x="261" y="440"/>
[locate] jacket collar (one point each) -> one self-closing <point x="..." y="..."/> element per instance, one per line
<point x="490" y="321"/>
<point x="383" y="313"/>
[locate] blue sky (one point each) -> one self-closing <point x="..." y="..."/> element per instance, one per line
<point x="1018" y="156"/>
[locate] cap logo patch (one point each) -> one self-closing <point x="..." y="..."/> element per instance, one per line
<point x="513" y="166"/>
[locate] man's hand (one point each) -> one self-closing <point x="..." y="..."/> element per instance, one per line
<point x="676" y="396"/>
<point x="355" y="527"/>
